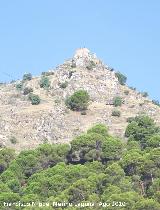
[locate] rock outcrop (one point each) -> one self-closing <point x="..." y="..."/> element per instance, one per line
<point x="52" y="121"/>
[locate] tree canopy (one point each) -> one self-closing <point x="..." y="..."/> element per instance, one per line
<point x="94" y="168"/>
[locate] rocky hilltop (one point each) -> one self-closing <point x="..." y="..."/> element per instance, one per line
<point x="30" y="125"/>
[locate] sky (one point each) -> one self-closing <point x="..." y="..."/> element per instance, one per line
<point x="37" y="35"/>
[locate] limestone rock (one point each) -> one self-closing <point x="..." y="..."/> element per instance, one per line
<point x="51" y="120"/>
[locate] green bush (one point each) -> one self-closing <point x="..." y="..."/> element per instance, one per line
<point x="19" y="86"/>
<point x="71" y="73"/>
<point x="130" y="119"/>
<point x="141" y="129"/>
<point x="156" y="102"/>
<point x="154" y="141"/>
<point x="117" y="101"/>
<point x="27" y="90"/>
<point x="44" y="82"/>
<point x="35" y="99"/>
<point x="47" y="73"/>
<point x="6" y="156"/>
<point x="78" y="101"/>
<point x="144" y="94"/>
<point x="27" y="76"/>
<point x="83" y="112"/>
<point x="95" y="145"/>
<point x="13" y="140"/>
<point x="90" y="65"/>
<point x="116" y="113"/>
<point x="100" y="129"/>
<point x="121" y="78"/>
<point x="63" y="85"/>
<point x="73" y="65"/>
<point x="57" y="101"/>
<point x="132" y="88"/>
<point x="12" y="81"/>
<point x="126" y="92"/>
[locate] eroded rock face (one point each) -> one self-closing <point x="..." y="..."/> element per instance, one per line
<point x="51" y="120"/>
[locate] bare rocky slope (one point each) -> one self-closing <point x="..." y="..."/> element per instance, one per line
<point x="52" y="121"/>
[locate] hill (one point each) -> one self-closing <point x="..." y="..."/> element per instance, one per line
<point x="25" y="126"/>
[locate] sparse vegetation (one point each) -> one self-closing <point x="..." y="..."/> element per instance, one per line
<point x="141" y="104"/>
<point x="116" y="113"/>
<point x="94" y="166"/>
<point x="83" y="112"/>
<point x="121" y="78"/>
<point x="57" y="101"/>
<point x="73" y="65"/>
<point x="156" y="102"/>
<point x="27" y="76"/>
<point x="126" y="92"/>
<point x="78" y="101"/>
<point x="35" y="99"/>
<point x="90" y="65"/>
<point x="144" y="94"/>
<point x="44" y="82"/>
<point x="63" y="85"/>
<point x="117" y="101"/>
<point x="27" y="90"/>
<point x="13" y="140"/>
<point x="19" y="86"/>
<point x="130" y="119"/>
<point x="47" y="73"/>
<point x="70" y="73"/>
<point x="12" y="81"/>
<point x="132" y="88"/>
<point x="111" y="69"/>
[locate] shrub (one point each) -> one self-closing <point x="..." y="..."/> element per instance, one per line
<point x="73" y="65"/>
<point x="57" y="101"/>
<point x="83" y="112"/>
<point x="117" y="101"/>
<point x="154" y="141"/>
<point x="13" y="140"/>
<point x="141" y="104"/>
<point x="116" y="113"/>
<point x="141" y="128"/>
<point x="78" y="101"/>
<point x="111" y="69"/>
<point x="12" y="81"/>
<point x="27" y="76"/>
<point x="47" y="73"/>
<point x="35" y="99"/>
<point x="130" y="119"/>
<point x="94" y="146"/>
<point x="156" y="102"/>
<point x="100" y="129"/>
<point x="19" y="86"/>
<point x="126" y="92"/>
<point x="144" y="94"/>
<point x="121" y="78"/>
<point x="6" y="156"/>
<point x="27" y="90"/>
<point x="44" y="82"/>
<point x="90" y="65"/>
<point x="63" y="85"/>
<point x="70" y="74"/>
<point x="132" y="88"/>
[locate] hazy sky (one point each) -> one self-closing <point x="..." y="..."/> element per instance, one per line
<point x="36" y="35"/>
